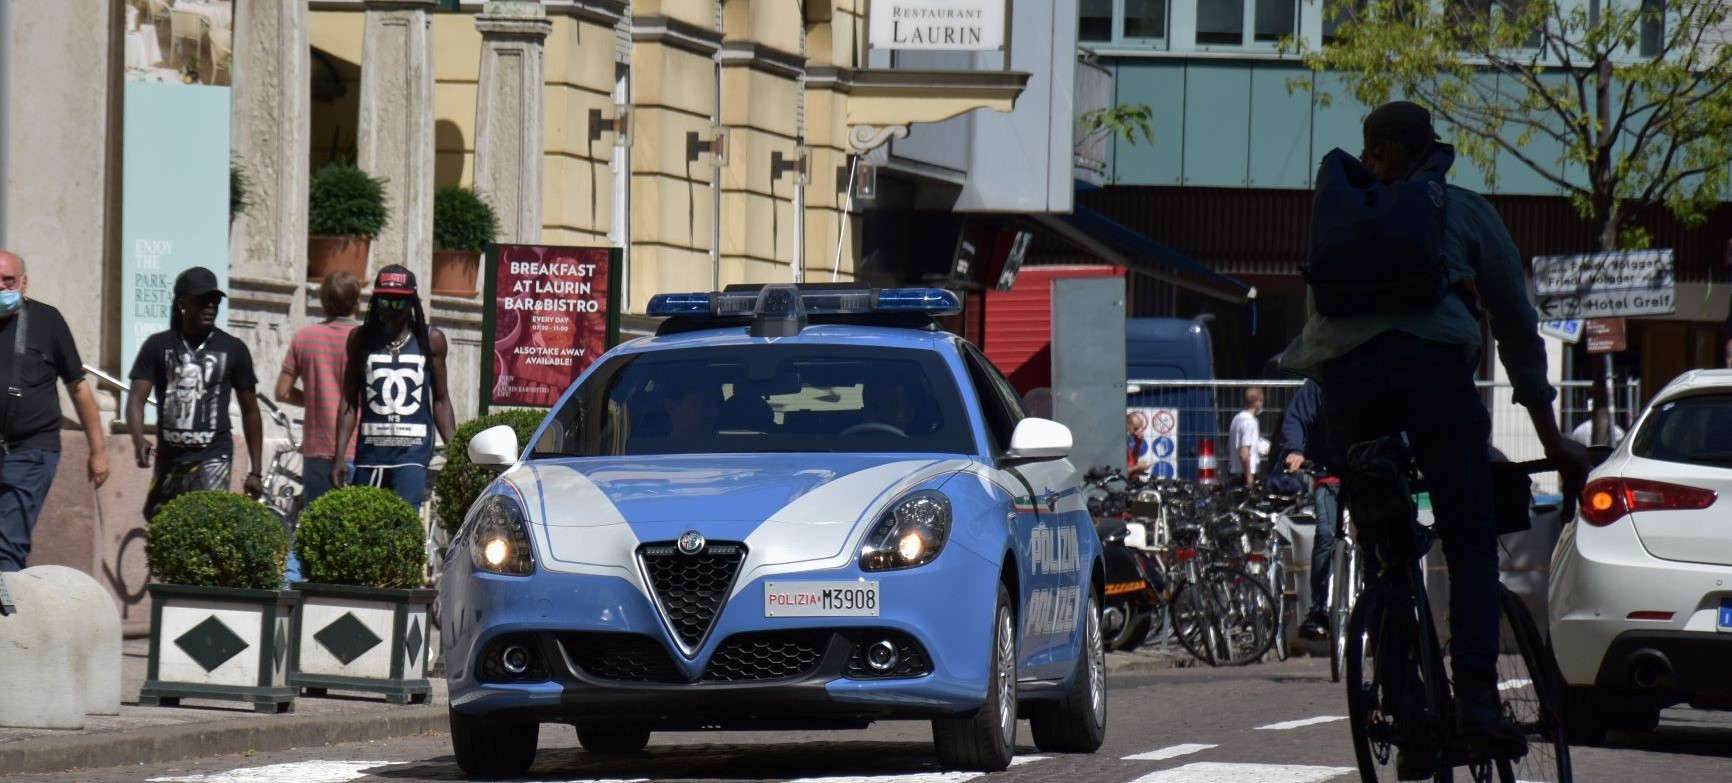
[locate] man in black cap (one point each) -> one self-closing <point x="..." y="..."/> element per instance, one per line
<point x="194" y="366"/>
<point x="1412" y="371"/>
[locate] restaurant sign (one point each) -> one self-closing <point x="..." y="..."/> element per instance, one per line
<point x="554" y="311"/>
<point x="943" y="25"/>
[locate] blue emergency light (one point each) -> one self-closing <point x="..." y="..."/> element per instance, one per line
<point x="782" y="310"/>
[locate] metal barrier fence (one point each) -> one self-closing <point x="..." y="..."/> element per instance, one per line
<point x="1205" y="410"/>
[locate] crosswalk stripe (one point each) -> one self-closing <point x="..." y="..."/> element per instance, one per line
<point x="296" y="772"/>
<point x="1021" y="760"/>
<point x="1294" y="724"/>
<point x="1211" y="772"/>
<point x="1510" y="685"/>
<point x="1168" y="753"/>
<point x="917" y="777"/>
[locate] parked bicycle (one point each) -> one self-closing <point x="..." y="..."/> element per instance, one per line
<point x="1399" y="699"/>
<point x="283" y="481"/>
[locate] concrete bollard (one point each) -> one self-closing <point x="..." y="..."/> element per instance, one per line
<point x="63" y="639"/>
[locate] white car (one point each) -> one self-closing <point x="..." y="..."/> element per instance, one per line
<point x="1641" y="585"/>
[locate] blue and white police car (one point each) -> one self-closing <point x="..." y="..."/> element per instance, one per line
<point x="791" y="508"/>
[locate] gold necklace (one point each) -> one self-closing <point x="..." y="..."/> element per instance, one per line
<point x="397" y="345"/>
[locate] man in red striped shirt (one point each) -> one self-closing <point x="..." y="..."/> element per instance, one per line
<point x="316" y="357"/>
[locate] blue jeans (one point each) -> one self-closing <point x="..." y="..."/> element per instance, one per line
<point x="25" y="476"/>
<point x="315" y="481"/>
<point x="409" y="482"/>
<point x="1399" y="383"/>
<point x="1326" y="500"/>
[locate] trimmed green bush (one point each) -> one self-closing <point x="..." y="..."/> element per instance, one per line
<point x="212" y="538"/>
<point x="363" y="536"/>
<point x="460" y="482"/>
<point x="462" y="220"/>
<point x="345" y="201"/>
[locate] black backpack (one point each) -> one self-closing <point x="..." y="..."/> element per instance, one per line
<point x="1376" y="247"/>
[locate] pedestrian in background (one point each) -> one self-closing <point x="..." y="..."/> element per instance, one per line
<point x="1304" y="439"/>
<point x="197" y="368"/>
<point x="315" y="360"/>
<point x="1245" y="439"/>
<point x="394" y="385"/>
<point x="39" y="350"/>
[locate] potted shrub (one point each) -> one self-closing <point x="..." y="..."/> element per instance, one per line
<point x="362" y="621"/>
<point x="219" y="625"/>
<point x="460" y="481"/>
<point x="463" y="225"/>
<point x="345" y="210"/>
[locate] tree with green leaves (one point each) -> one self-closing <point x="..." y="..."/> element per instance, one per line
<point x="1636" y="95"/>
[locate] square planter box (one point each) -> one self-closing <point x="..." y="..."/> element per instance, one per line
<point x="219" y="643"/>
<point x="370" y="639"/>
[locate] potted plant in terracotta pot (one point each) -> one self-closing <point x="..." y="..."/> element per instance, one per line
<point x="345" y="210"/>
<point x="362" y="621"/>
<point x="219" y="622"/>
<point x="463" y="225"/>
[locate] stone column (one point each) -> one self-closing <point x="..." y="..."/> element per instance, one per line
<point x="508" y="115"/>
<point x="272" y="122"/>
<point x="396" y="128"/>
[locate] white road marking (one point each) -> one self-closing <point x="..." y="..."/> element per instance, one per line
<point x="1169" y="753"/>
<point x="1294" y="724"/>
<point x="918" y="777"/>
<point x="1510" y="685"/>
<point x="297" y="772"/>
<point x="1021" y="760"/>
<point x="1209" y="772"/>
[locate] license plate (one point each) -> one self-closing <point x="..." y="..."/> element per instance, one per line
<point x="1726" y="614"/>
<point x="821" y="599"/>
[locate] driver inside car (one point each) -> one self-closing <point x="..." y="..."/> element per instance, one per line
<point x="889" y="403"/>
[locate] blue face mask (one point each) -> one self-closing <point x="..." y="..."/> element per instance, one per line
<point x="10" y="301"/>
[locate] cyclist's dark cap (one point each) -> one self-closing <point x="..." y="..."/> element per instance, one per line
<point x="1403" y="122"/>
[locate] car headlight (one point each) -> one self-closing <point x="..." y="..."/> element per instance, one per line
<point x="499" y="540"/>
<point x="911" y="533"/>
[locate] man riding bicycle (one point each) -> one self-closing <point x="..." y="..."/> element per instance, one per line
<point x="1412" y="370"/>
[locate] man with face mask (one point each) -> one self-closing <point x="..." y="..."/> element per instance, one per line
<point x="394" y="386"/>
<point x="38" y="351"/>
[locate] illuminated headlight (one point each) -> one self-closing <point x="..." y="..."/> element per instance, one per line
<point x="499" y="540"/>
<point x="911" y="533"/>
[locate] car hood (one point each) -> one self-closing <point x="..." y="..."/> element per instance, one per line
<point x="736" y="491"/>
<point x="791" y="511"/>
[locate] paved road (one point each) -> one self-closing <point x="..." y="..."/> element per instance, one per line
<point x="1272" y="723"/>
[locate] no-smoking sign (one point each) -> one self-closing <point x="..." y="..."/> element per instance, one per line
<point x="1164" y="421"/>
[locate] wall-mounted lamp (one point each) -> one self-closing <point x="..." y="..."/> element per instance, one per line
<point x="619" y="125"/>
<point x="799" y="164"/>
<point x="716" y="146"/>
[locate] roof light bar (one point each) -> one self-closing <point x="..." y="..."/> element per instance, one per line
<point x="786" y="302"/>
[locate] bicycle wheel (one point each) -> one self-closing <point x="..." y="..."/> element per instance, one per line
<point x="1243" y="612"/>
<point x="1528" y="687"/>
<point x="1381" y="644"/>
<point x="1344" y="586"/>
<point x="1191" y="623"/>
<point x="1278" y="590"/>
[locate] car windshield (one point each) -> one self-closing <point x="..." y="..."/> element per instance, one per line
<point x="1696" y="430"/>
<point x="763" y="398"/>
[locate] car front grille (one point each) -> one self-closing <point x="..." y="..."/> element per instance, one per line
<point x="621" y="657"/>
<point x="691" y="589"/>
<point x="775" y="655"/>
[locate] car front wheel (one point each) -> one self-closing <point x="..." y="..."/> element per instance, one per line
<point x="986" y="740"/>
<point x="492" y="749"/>
<point x="1078" y="722"/>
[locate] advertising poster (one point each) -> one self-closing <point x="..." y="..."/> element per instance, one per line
<point x="555" y="310"/>
<point x="1152" y="442"/>
<point x="174" y="201"/>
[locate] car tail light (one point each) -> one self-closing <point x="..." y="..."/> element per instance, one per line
<point x="1608" y="500"/>
<point x="1207" y="473"/>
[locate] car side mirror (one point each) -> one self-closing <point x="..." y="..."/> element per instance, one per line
<point x="494" y="446"/>
<point x="1038" y="439"/>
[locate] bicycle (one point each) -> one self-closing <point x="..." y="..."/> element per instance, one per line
<point x="1345" y="585"/>
<point x="1398" y="696"/>
<point x="1220" y="613"/>
<point x="282" y="483"/>
<point x="1264" y="549"/>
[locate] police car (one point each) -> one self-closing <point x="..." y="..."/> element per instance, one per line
<point x="792" y="508"/>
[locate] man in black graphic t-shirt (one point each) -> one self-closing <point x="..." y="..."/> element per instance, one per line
<point x="194" y="366"/>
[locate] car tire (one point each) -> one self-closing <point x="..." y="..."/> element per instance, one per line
<point x="491" y="748"/>
<point x="612" y="739"/>
<point x="986" y="740"/>
<point x="1077" y="723"/>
